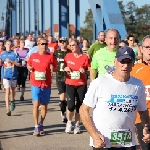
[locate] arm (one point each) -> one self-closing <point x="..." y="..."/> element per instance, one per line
<point x="93" y="73"/>
<point x="98" y="140"/>
<point x="144" y="118"/>
<point x="85" y="117"/>
<point x="16" y="63"/>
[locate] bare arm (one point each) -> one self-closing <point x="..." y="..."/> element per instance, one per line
<point x="85" y="117"/>
<point x="98" y="140"/>
<point x="16" y="63"/>
<point x="144" y="117"/>
<point x="93" y="73"/>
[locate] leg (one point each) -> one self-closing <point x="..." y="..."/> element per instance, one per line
<point x="6" y="84"/>
<point x="23" y="80"/>
<point x="81" y="91"/>
<point x="19" y="78"/>
<point x="62" y="96"/>
<point x="45" y="98"/>
<point x="36" y="102"/>
<point x="12" y="91"/>
<point x="70" y="90"/>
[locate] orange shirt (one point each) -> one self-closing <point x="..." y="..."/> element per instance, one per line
<point x="142" y="72"/>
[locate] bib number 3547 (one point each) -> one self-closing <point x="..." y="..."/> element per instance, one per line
<point x="120" y="138"/>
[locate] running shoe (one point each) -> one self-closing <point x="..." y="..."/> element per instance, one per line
<point x="36" y="131"/>
<point x="21" y="98"/>
<point x="41" y="129"/>
<point x="76" y="129"/>
<point x="12" y="105"/>
<point x="8" y="113"/>
<point x="68" y="127"/>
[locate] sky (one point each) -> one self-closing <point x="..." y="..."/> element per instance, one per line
<point x="84" y="6"/>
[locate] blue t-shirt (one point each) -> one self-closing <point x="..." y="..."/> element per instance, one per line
<point x="9" y="70"/>
<point x="35" y="49"/>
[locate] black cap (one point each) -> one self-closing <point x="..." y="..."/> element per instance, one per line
<point x="125" y="52"/>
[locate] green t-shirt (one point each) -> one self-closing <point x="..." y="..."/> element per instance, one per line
<point x="103" y="61"/>
<point x="94" y="48"/>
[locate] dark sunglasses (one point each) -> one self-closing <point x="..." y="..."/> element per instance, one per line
<point x="147" y="47"/>
<point x="126" y="61"/>
<point x="131" y="40"/>
<point x="44" y="44"/>
<point x="62" y="41"/>
<point x="73" y="45"/>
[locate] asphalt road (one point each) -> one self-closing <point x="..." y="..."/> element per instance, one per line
<point x="16" y="130"/>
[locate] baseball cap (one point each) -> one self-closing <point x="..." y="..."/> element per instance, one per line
<point x="63" y="39"/>
<point x="125" y="52"/>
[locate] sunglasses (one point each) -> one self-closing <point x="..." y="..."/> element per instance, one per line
<point x="44" y="44"/>
<point x="147" y="47"/>
<point x="126" y="61"/>
<point x="62" y="41"/>
<point x="131" y="40"/>
<point x="72" y="45"/>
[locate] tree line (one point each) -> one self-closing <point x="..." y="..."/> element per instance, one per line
<point x="136" y="20"/>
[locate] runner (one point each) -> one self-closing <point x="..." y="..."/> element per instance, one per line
<point x="1" y="63"/>
<point x="76" y="65"/>
<point x="85" y="46"/>
<point x="51" y="44"/>
<point x="28" y="42"/>
<point x="22" y="71"/>
<point x="115" y="98"/>
<point x="16" y="43"/>
<point x="40" y="80"/>
<point x="61" y="76"/>
<point x="142" y="72"/>
<point x="103" y="60"/>
<point x="131" y="40"/>
<point x="9" y="75"/>
<point x="98" y="45"/>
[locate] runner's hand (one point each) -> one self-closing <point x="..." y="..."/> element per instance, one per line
<point x="99" y="141"/>
<point x="146" y="134"/>
<point x="30" y="68"/>
<point x="67" y="69"/>
<point x="82" y="70"/>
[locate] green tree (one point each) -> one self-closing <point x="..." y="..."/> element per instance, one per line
<point x="87" y="31"/>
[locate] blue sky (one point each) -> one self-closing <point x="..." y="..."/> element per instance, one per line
<point x="84" y="6"/>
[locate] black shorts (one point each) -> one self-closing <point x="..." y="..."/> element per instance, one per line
<point x="61" y="86"/>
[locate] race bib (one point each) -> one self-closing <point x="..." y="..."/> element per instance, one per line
<point x="75" y="75"/>
<point x="147" y="92"/>
<point x="40" y="75"/>
<point x="61" y="67"/>
<point x="120" y="138"/>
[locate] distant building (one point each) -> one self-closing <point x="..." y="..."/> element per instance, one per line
<point x="56" y="30"/>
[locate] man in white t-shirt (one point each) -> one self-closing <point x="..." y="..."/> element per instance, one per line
<point x="28" y="42"/>
<point x="115" y="98"/>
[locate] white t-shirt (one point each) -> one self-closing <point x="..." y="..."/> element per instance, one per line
<point x="29" y="44"/>
<point x="114" y="106"/>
